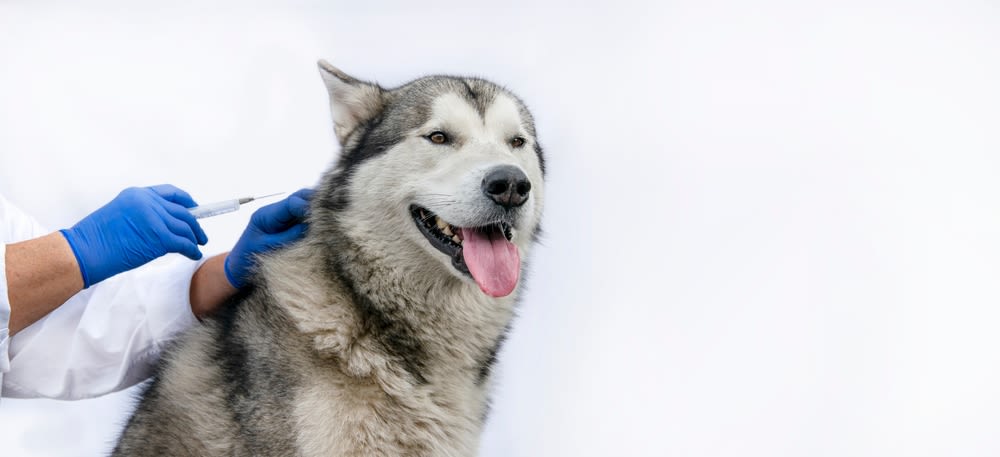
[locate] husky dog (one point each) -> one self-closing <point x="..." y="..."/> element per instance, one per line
<point x="374" y="335"/>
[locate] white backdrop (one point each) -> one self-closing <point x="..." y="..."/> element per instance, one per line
<point x="773" y="228"/>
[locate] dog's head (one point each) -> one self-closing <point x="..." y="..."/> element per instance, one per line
<point x="444" y="171"/>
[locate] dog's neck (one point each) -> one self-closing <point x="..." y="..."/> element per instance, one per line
<point x="425" y="324"/>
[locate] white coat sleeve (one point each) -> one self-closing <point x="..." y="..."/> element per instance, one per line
<point x="103" y="339"/>
<point x="4" y="314"/>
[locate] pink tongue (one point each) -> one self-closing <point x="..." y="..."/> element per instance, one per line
<point x="493" y="261"/>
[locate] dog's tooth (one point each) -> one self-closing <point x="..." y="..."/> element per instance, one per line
<point x="456" y="239"/>
<point x="447" y="230"/>
<point x="441" y="224"/>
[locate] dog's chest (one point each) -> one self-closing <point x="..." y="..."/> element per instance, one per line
<point x="341" y="417"/>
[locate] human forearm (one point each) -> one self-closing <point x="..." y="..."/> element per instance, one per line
<point x="209" y="287"/>
<point x="42" y="274"/>
<point x="136" y="227"/>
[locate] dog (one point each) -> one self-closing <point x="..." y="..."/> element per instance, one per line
<point x="375" y="334"/>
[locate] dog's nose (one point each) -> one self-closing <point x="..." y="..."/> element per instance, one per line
<point x="507" y="185"/>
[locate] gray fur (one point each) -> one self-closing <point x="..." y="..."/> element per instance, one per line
<point x="361" y="339"/>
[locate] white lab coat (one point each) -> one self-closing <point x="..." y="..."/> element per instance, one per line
<point x="103" y="339"/>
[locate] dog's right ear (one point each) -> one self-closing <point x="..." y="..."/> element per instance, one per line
<point x="352" y="101"/>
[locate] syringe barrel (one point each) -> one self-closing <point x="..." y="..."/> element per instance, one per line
<point x="215" y="209"/>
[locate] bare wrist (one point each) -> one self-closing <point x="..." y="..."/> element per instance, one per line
<point x="209" y="287"/>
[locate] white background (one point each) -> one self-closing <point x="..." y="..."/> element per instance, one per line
<point x="773" y="228"/>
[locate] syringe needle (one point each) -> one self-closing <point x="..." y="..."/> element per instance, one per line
<point x="250" y="199"/>
<point x="223" y="207"/>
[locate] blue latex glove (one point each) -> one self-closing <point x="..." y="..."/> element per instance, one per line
<point x="270" y="227"/>
<point x="139" y="225"/>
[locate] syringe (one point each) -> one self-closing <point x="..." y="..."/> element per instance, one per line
<point x="223" y="207"/>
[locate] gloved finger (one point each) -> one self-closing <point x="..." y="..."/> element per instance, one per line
<point x="276" y="217"/>
<point x="182" y="245"/>
<point x="295" y="232"/>
<point x="175" y="226"/>
<point x="174" y="194"/>
<point x="298" y="206"/>
<point x="233" y="277"/>
<point x="181" y="213"/>
<point x="304" y="193"/>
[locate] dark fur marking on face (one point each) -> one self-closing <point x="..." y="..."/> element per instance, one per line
<point x="541" y="157"/>
<point x="536" y="236"/>
<point x="480" y="94"/>
<point x="471" y="94"/>
<point x="475" y="99"/>
<point x="370" y="145"/>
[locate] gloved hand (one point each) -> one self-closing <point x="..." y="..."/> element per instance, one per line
<point x="139" y="225"/>
<point x="270" y="227"/>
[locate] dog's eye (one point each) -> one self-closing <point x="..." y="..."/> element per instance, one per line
<point x="517" y="142"/>
<point x="438" y="138"/>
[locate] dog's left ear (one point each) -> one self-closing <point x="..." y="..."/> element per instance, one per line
<point x="352" y="101"/>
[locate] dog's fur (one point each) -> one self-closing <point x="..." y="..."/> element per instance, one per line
<point x="362" y="339"/>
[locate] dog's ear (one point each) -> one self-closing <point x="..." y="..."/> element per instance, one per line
<point x="352" y="101"/>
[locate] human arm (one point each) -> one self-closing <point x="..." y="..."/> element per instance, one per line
<point x="109" y="336"/>
<point x="41" y="274"/>
<point x="106" y="337"/>
<point x="209" y="287"/>
<point x="137" y="226"/>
